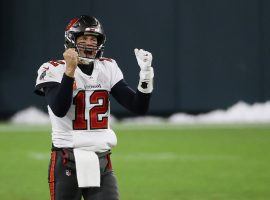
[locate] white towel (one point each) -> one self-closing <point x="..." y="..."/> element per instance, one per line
<point x="87" y="167"/>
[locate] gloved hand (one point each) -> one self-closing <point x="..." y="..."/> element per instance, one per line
<point x="144" y="59"/>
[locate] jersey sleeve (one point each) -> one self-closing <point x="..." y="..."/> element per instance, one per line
<point x="116" y="73"/>
<point x="48" y="74"/>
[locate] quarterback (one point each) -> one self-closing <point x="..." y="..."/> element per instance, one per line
<point x="77" y="91"/>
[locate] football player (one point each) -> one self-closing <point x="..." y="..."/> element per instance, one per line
<point x="77" y="91"/>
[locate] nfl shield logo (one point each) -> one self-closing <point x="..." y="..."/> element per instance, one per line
<point x="68" y="172"/>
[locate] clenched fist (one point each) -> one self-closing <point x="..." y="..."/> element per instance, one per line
<point x="71" y="58"/>
<point x="144" y="59"/>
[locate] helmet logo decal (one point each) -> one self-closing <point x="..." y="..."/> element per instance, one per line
<point x="71" y="23"/>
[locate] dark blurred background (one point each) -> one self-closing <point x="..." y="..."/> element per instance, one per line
<point x="207" y="54"/>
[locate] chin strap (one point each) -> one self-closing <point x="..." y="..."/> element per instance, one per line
<point x="85" y="61"/>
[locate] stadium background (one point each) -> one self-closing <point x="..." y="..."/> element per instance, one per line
<point x="207" y="54"/>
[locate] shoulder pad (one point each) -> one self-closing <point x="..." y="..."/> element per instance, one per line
<point x="56" y="63"/>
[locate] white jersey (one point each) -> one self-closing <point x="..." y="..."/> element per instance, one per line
<point x="86" y="123"/>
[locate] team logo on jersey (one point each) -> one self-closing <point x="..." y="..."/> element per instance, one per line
<point x="42" y="75"/>
<point x="68" y="172"/>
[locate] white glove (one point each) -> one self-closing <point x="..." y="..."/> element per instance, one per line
<point x="144" y="59"/>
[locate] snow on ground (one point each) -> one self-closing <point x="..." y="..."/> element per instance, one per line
<point x="238" y="113"/>
<point x="31" y="116"/>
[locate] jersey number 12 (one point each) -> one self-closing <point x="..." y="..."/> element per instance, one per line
<point x="80" y="122"/>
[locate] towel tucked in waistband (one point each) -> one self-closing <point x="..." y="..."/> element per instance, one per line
<point x="87" y="167"/>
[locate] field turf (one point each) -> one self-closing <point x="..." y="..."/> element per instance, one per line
<point x="159" y="162"/>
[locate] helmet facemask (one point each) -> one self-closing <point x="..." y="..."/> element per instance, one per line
<point x="88" y="53"/>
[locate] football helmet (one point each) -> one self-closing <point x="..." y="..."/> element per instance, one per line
<point x="85" y="25"/>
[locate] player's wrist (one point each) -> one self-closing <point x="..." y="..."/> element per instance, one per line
<point x="147" y="73"/>
<point x="70" y="69"/>
<point x="70" y="73"/>
<point x="146" y="69"/>
<point x="146" y="80"/>
<point x="145" y="87"/>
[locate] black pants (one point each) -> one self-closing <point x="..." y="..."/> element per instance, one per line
<point x="63" y="180"/>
